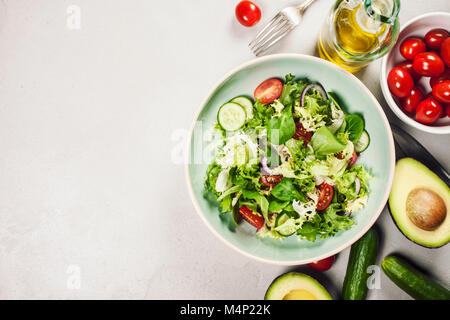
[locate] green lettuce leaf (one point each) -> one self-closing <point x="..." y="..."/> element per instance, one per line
<point x="324" y="142"/>
<point x="260" y="200"/>
<point x="286" y="191"/>
<point x="354" y="126"/>
<point x="282" y="128"/>
<point x="277" y="206"/>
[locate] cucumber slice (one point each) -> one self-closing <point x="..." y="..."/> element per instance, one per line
<point x="246" y="103"/>
<point x="231" y="116"/>
<point x="363" y="142"/>
<point x="285" y="231"/>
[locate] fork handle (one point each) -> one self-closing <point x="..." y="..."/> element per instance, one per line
<point x="302" y="7"/>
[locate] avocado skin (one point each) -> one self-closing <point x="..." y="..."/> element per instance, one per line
<point x="414" y="165"/>
<point x="323" y="292"/>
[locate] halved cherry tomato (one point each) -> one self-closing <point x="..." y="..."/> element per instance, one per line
<point x="271" y="180"/>
<point x="410" y="47"/>
<point x="251" y="218"/>
<point x="325" y="196"/>
<point x="441" y="91"/>
<point x="435" y="37"/>
<point x="268" y="90"/>
<point x="410" y="102"/>
<point x="428" y="64"/>
<point x="247" y="13"/>
<point x="300" y="132"/>
<point x="428" y="111"/>
<point x="399" y="82"/>
<point x="443" y="76"/>
<point x="407" y="65"/>
<point x="322" y="265"/>
<point x="445" y="51"/>
<point x="353" y="159"/>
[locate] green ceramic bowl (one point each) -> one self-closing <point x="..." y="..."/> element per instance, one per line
<point x="379" y="157"/>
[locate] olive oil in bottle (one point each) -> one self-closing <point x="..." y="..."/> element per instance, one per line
<point x="358" y="32"/>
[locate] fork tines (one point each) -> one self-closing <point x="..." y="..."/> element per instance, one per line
<point x="276" y="29"/>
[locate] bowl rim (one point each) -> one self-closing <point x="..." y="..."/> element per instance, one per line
<point x="391" y="154"/>
<point x="387" y="95"/>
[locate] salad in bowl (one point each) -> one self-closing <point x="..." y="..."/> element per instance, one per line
<point x="287" y="161"/>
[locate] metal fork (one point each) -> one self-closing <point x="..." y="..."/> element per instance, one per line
<point x="286" y="20"/>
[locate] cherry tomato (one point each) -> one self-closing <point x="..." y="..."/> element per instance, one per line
<point x="443" y="76"/>
<point x="325" y="196"/>
<point x="444" y="110"/>
<point x="247" y="13"/>
<point x="435" y="37"/>
<point x="445" y="51"/>
<point x="410" y="102"/>
<point x="300" y="132"/>
<point x="353" y="159"/>
<point x="441" y="91"/>
<point x="428" y="111"/>
<point x="268" y="90"/>
<point x="251" y="218"/>
<point x="400" y="82"/>
<point x="410" y="47"/>
<point x="407" y="65"/>
<point x="428" y="64"/>
<point x="271" y="180"/>
<point x="322" y="265"/>
<point x="447" y="109"/>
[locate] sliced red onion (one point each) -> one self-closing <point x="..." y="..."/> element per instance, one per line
<point x="316" y="86"/>
<point x="265" y="169"/>
<point x="357" y="185"/>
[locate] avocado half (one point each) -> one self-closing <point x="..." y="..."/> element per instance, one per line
<point x="296" y="286"/>
<point x="419" y="204"/>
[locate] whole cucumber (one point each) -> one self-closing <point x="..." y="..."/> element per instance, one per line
<point x="412" y="281"/>
<point x="362" y="255"/>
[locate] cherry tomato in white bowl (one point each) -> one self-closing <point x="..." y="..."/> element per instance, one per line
<point x="418" y="27"/>
<point x="428" y="111"/>
<point x="428" y="64"/>
<point x="400" y="82"/>
<point x="435" y="37"/>
<point x="441" y="91"/>
<point x="411" y="47"/>
<point x="411" y="101"/>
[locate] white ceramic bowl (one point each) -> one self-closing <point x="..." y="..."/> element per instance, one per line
<point x="418" y="26"/>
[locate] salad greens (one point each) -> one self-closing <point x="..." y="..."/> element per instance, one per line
<point x="281" y="128"/>
<point x="291" y="163"/>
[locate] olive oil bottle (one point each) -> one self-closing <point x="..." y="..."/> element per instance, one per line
<point x="358" y="32"/>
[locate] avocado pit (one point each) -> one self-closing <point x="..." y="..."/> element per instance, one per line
<point x="425" y="208"/>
